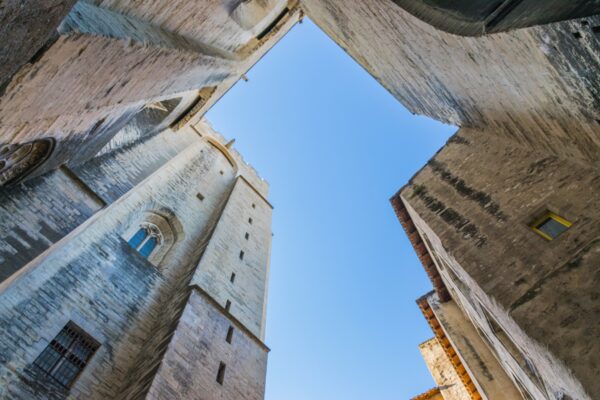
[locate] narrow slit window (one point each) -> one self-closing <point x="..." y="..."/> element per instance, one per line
<point x="550" y="225"/>
<point x="67" y="355"/>
<point x="229" y="335"/>
<point x="253" y="205"/>
<point x="250" y="221"/>
<point x="232" y="278"/>
<point x="228" y="305"/>
<point x="221" y="373"/>
<point x="242" y="255"/>
<point x="247" y="236"/>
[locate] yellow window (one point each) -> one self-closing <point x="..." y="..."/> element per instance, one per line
<point x="550" y="226"/>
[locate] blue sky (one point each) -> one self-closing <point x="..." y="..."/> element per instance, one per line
<point x="334" y="145"/>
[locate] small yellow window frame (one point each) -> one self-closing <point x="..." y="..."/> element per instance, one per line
<point x="549" y="215"/>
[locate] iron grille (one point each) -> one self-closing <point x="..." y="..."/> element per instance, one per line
<point x="67" y="354"/>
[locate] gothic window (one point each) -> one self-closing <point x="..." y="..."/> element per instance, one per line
<point x="146" y="239"/>
<point x="550" y="225"/>
<point x="153" y="234"/>
<point x="67" y="354"/>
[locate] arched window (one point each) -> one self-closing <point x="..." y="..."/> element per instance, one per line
<point x="152" y="234"/>
<point x="146" y="239"/>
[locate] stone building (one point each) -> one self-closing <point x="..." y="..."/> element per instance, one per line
<point x="449" y="383"/>
<point x="158" y="286"/>
<point x="459" y="361"/>
<point x="75" y="72"/>
<point x="504" y="216"/>
<point x="134" y="241"/>
<point x="126" y="237"/>
<point x="508" y="236"/>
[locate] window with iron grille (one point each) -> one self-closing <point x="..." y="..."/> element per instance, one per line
<point x="67" y="354"/>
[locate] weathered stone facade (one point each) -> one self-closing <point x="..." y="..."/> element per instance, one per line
<point x="537" y="86"/>
<point x="444" y="374"/>
<point x="76" y="72"/>
<point x="527" y="102"/>
<point x="473" y="205"/>
<point x="148" y="315"/>
<point x="88" y="91"/>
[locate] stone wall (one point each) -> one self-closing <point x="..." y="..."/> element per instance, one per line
<point x="473" y="202"/>
<point x="245" y="226"/>
<point x="131" y="306"/>
<point x="538" y="86"/>
<point x="442" y="371"/>
<point x="491" y="380"/>
<point x="198" y="348"/>
<point x="21" y="33"/>
<point x="112" y="175"/>
<point x="39" y="212"/>
<point x="108" y="59"/>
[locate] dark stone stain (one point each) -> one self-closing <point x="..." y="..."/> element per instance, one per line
<point x="520" y="281"/>
<point x="538" y="166"/>
<point x="57" y="213"/>
<point x="580" y="66"/>
<point x="480" y="17"/>
<point x="568" y="321"/>
<point x="483" y="199"/>
<point x="482" y="366"/>
<point x="457" y="139"/>
<point x="450" y="216"/>
<point x="566" y="268"/>
<point x="28" y="29"/>
<point x="124" y="286"/>
<point x="24" y="253"/>
<point x="49" y="233"/>
<point x="107" y="92"/>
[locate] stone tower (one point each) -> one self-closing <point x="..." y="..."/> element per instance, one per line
<point x="158" y="291"/>
<point x="134" y="241"/>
